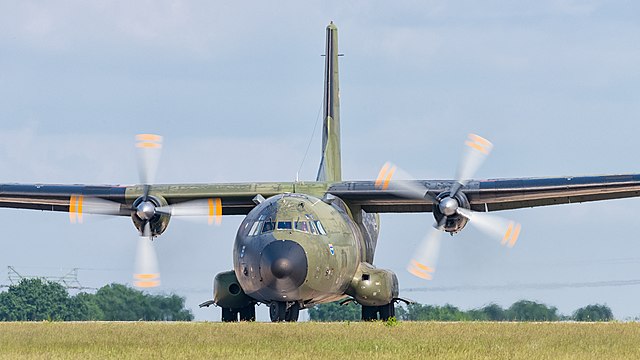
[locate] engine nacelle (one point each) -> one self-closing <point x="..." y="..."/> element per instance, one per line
<point x="373" y="287"/>
<point x="227" y="292"/>
<point x="158" y="222"/>
<point x="456" y="222"/>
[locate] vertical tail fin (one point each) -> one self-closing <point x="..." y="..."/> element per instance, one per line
<point x="330" y="164"/>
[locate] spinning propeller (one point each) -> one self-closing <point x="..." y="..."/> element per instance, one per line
<point x="150" y="213"/>
<point x="451" y="207"/>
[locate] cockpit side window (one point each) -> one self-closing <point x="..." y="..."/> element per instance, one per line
<point x="254" y="228"/>
<point x="314" y="229"/>
<point x="321" y="230"/>
<point x="268" y="226"/>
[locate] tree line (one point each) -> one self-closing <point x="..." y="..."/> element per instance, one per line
<point x="523" y="310"/>
<point x="38" y="300"/>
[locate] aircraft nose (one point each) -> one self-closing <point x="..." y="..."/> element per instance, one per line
<point x="283" y="265"/>
<point x="281" y="268"/>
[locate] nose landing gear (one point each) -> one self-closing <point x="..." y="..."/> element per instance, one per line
<point x="283" y="311"/>
<point x="370" y="313"/>
<point x="247" y="313"/>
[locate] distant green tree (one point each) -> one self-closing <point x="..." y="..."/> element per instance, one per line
<point x="34" y="300"/>
<point x="595" y="312"/>
<point x="336" y="312"/>
<point x="120" y="302"/>
<point x="401" y="313"/>
<point x="83" y="307"/>
<point x="168" y="308"/>
<point x="37" y="299"/>
<point x="476" y="315"/>
<point x="493" y="312"/>
<point x="419" y="312"/>
<point x="525" y="310"/>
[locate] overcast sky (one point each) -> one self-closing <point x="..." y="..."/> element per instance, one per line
<point x="235" y="88"/>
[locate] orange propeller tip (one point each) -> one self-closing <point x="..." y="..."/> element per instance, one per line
<point x="147" y="284"/>
<point x="422" y="266"/>
<point x="148" y="137"/>
<point x="146" y="276"/>
<point x="149" y="141"/>
<point x="516" y="234"/>
<point x="420" y="270"/>
<point x="511" y="236"/>
<point x="385" y="175"/>
<point x="75" y="208"/>
<point x="480" y="139"/>
<point x="420" y="274"/>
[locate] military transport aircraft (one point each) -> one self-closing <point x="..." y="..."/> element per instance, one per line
<point x="306" y="243"/>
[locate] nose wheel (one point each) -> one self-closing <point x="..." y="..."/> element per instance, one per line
<point x="282" y="311"/>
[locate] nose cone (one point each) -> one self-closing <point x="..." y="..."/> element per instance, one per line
<point x="281" y="268"/>
<point x="283" y="265"/>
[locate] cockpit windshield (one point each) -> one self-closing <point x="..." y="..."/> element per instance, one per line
<point x="302" y="226"/>
<point x="284" y="225"/>
<point x="306" y="226"/>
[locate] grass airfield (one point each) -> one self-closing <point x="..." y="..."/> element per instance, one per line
<point x="459" y="340"/>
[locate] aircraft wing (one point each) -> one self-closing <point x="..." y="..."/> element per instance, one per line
<point x="237" y="198"/>
<point x="495" y="194"/>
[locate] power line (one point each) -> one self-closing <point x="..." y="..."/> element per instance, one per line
<point x="69" y="280"/>
<point x="534" y="286"/>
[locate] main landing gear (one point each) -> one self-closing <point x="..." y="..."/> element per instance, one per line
<point x="370" y="313"/>
<point x="247" y="313"/>
<point x="283" y="311"/>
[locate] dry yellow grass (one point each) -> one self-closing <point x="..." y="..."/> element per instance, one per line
<point x="407" y="340"/>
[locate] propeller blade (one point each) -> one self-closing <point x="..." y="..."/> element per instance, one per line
<point x="423" y="264"/>
<point x="505" y="230"/>
<point x="401" y="183"/>
<point x="80" y="204"/>
<point x="147" y="273"/>
<point x="149" y="150"/>
<point x="209" y="208"/>
<point x="477" y="150"/>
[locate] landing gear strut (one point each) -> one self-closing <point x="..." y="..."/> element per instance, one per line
<point x="370" y="313"/>
<point x="282" y="311"/>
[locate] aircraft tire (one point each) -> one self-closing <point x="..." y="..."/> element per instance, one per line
<point x="369" y="313"/>
<point x="278" y="311"/>
<point x="292" y="313"/>
<point x="387" y="311"/>
<point x="248" y="313"/>
<point x="229" y="315"/>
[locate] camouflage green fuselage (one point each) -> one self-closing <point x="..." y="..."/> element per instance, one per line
<point x="295" y="247"/>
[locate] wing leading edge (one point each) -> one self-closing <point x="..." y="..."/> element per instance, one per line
<point x="495" y="194"/>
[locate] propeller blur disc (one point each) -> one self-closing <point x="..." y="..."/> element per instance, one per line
<point x="506" y="231"/>
<point x="476" y="151"/>
<point x="401" y="183"/>
<point x="211" y="209"/>
<point x="147" y="273"/>
<point x="80" y="204"/>
<point x="149" y="150"/>
<point x="423" y="264"/>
